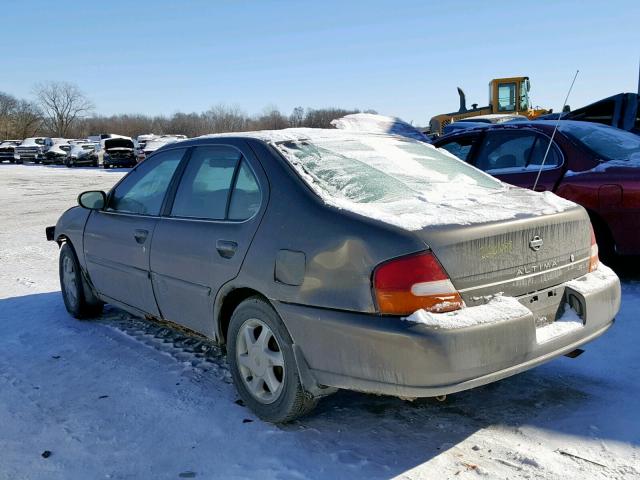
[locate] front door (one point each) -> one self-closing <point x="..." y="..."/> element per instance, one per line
<point x="202" y="240"/>
<point x="117" y="240"/>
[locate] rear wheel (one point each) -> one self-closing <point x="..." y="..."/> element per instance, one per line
<point x="78" y="298"/>
<point x="263" y="364"/>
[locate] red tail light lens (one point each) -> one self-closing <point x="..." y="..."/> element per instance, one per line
<point x="410" y="283"/>
<point x="594" y="260"/>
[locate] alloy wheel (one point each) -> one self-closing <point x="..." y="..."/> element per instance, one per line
<point x="260" y="361"/>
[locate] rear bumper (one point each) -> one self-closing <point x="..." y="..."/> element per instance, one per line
<point x="391" y="356"/>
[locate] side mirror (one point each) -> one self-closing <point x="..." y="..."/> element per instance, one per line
<point x="93" y="199"/>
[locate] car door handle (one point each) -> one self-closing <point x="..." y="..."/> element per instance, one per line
<point x="140" y="235"/>
<point x="226" y="248"/>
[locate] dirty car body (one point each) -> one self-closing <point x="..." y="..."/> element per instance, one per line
<point x="344" y="249"/>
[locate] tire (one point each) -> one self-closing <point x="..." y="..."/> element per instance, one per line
<point x="79" y="299"/>
<point x="253" y="371"/>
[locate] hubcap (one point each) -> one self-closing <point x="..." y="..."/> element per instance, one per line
<point x="260" y="361"/>
<point x="69" y="280"/>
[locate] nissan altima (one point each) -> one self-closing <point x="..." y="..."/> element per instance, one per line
<point x="328" y="259"/>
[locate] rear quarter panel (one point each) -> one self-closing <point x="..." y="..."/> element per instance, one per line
<point x="340" y="249"/>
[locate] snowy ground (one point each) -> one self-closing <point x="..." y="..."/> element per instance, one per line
<point x="121" y="398"/>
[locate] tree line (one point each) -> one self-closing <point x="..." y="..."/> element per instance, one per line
<point x="60" y="109"/>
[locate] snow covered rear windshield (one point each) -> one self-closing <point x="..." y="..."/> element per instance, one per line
<point x="607" y="142"/>
<point x="380" y="168"/>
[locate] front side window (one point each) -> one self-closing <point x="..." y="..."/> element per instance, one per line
<point x="143" y="190"/>
<point x="505" y="150"/>
<point x="506" y="97"/>
<point x="205" y="185"/>
<point x="460" y="147"/>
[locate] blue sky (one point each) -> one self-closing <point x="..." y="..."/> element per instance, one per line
<point x="401" y="58"/>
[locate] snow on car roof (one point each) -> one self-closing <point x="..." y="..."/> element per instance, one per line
<point x="400" y="181"/>
<point x="373" y="123"/>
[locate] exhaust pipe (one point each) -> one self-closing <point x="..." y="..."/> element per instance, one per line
<point x="463" y="101"/>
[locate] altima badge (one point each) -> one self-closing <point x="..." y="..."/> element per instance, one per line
<point x="536" y="243"/>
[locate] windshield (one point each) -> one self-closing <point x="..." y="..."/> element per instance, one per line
<point x="606" y="142"/>
<point x="381" y="169"/>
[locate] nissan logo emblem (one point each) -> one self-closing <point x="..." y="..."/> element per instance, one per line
<point x="536" y="243"/>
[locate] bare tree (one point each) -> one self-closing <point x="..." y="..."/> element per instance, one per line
<point x="27" y="120"/>
<point x="62" y="104"/>
<point x="271" y="119"/>
<point x="223" y="118"/>
<point x="8" y="105"/>
<point x="296" y="119"/>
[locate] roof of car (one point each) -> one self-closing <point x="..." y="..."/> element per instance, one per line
<point x="536" y="124"/>
<point x="296" y="134"/>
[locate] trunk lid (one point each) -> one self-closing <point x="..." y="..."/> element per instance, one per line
<point x="513" y="257"/>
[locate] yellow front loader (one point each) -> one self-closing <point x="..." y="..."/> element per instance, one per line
<point x="506" y="96"/>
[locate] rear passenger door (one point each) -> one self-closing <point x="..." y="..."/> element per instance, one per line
<point x="515" y="157"/>
<point x="203" y="236"/>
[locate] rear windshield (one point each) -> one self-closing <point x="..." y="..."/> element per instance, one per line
<point x="380" y="168"/>
<point x="606" y="142"/>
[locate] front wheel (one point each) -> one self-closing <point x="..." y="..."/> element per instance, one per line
<point x="263" y="364"/>
<point x="78" y="298"/>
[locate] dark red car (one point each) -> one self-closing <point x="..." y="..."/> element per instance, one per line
<point x="594" y="165"/>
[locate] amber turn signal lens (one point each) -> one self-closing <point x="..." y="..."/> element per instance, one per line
<point x="414" y="282"/>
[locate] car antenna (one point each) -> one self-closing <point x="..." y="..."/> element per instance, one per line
<point x="553" y="134"/>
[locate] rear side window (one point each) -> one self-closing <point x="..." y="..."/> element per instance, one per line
<point x="206" y="183"/>
<point x="143" y="190"/>
<point x="245" y="199"/>
<point x="554" y="158"/>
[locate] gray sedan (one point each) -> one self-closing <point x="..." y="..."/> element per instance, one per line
<point x="327" y="259"/>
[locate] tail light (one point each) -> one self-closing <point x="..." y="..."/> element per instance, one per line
<point x="593" y="256"/>
<point x="410" y="283"/>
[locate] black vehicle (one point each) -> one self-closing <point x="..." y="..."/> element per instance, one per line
<point x="8" y="150"/>
<point x="118" y="152"/>
<point x="82" y="154"/>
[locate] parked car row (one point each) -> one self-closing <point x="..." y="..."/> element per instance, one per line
<point x="106" y="150"/>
